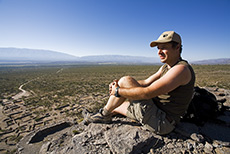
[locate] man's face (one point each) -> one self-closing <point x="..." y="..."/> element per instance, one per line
<point x="166" y="52"/>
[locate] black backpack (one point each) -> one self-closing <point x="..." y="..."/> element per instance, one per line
<point x="203" y="107"/>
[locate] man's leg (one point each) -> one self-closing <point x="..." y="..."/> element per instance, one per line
<point x="122" y="109"/>
<point x="114" y="104"/>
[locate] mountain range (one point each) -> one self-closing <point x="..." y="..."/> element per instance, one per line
<point x="20" y="55"/>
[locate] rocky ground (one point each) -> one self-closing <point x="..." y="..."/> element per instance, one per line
<point x="17" y="119"/>
<point x="126" y="136"/>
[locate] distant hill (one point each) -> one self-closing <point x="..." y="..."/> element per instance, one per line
<point x="14" y="55"/>
<point x="121" y="59"/>
<point x="18" y="55"/>
<point x="212" y="61"/>
<point x="33" y="55"/>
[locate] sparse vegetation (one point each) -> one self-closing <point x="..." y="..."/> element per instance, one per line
<point x="75" y="132"/>
<point x="213" y="75"/>
<point x="76" y="82"/>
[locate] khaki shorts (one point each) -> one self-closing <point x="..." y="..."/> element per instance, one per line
<point x="150" y="116"/>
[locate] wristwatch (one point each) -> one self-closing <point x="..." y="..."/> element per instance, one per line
<point x="116" y="92"/>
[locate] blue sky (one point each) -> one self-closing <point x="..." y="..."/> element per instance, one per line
<point x="120" y="27"/>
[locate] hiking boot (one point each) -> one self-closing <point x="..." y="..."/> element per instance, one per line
<point x="103" y="116"/>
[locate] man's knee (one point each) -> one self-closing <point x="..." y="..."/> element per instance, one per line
<point x="124" y="80"/>
<point x="127" y="81"/>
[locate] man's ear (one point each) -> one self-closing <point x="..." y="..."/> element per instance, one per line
<point x="178" y="46"/>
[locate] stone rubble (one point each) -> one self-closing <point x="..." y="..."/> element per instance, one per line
<point x="125" y="136"/>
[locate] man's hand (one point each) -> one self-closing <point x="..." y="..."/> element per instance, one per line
<point x="113" y="86"/>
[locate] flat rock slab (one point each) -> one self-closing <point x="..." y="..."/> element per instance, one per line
<point x="128" y="139"/>
<point x="126" y="136"/>
<point x="118" y="137"/>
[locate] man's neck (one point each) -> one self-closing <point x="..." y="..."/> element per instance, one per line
<point x="173" y="63"/>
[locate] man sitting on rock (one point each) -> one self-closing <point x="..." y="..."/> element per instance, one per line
<point x="159" y="101"/>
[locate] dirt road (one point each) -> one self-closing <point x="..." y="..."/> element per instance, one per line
<point x="22" y="93"/>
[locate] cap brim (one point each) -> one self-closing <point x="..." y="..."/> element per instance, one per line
<point x="155" y="43"/>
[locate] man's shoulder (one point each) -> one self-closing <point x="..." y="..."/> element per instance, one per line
<point x="183" y="62"/>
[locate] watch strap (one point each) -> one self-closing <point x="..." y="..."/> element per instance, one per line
<point x="116" y="92"/>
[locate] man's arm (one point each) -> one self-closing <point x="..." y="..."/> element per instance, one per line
<point x="151" y="79"/>
<point x="175" y="77"/>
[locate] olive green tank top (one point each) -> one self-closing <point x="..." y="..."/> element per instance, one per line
<point x="175" y="103"/>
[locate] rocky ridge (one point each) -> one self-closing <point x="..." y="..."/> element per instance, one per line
<point x="126" y="136"/>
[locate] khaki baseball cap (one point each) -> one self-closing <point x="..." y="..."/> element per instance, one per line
<point x="165" y="37"/>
